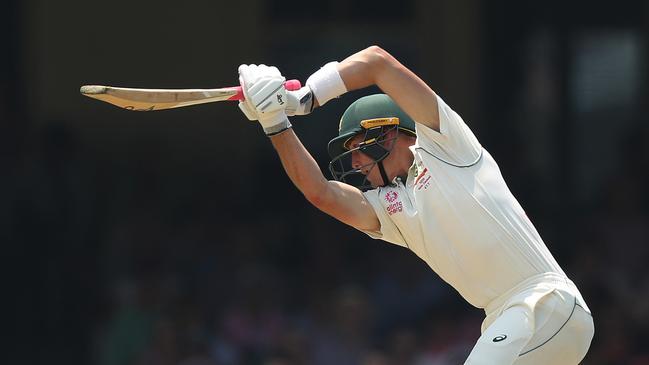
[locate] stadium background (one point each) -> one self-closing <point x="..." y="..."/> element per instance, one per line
<point x="175" y="238"/>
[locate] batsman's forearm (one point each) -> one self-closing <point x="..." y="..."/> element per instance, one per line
<point x="375" y="66"/>
<point x="299" y="165"/>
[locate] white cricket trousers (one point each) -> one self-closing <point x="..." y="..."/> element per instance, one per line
<point x="541" y="326"/>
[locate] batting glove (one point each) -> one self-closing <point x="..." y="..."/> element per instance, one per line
<point x="265" y="97"/>
<point x="299" y="102"/>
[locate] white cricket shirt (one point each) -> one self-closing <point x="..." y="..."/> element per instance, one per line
<point x="457" y="214"/>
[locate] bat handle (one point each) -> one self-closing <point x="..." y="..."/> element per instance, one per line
<point x="290" y="85"/>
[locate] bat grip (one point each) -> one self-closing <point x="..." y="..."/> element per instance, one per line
<point x="290" y="85"/>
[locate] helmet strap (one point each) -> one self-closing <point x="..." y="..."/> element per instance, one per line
<point x="384" y="176"/>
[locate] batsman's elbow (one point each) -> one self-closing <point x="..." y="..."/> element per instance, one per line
<point x="317" y="197"/>
<point x="377" y="57"/>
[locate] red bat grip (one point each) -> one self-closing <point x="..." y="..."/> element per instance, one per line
<point x="290" y="85"/>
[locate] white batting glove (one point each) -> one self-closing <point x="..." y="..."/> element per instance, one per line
<point x="299" y="102"/>
<point x="265" y="97"/>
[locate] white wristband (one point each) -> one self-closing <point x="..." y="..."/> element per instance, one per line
<point x="326" y="83"/>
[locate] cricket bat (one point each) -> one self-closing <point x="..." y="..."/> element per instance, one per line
<point x="144" y="100"/>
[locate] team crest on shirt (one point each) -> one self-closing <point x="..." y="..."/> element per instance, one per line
<point x="394" y="205"/>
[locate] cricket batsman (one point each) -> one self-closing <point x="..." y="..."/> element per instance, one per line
<point x="409" y="171"/>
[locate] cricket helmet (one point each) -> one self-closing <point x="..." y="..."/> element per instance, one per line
<point x="373" y="116"/>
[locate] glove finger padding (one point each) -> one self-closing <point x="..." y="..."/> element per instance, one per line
<point x="263" y="87"/>
<point x="246" y="79"/>
<point x="267" y="91"/>
<point x="265" y="97"/>
<point x="268" y="94"/>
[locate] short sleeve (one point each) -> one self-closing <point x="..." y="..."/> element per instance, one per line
<point x="388" y="231"/>
<point x="454" y="142"/>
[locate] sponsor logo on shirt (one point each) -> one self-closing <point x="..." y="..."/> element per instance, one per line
<point x="423" y="180"/>
<point x="391" y="196"/>
<point x="394" y="205"/>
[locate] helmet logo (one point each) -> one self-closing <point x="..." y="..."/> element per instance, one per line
<point x="379" y="122"/>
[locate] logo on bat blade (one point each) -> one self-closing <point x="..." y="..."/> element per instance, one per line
<point x="131" y="107"/>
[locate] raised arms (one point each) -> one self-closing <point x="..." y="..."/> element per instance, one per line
<point x="371" y="66"/>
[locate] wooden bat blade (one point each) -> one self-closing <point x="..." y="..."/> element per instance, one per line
<point x="156" y="99"/>
<point x="159" y="99"/>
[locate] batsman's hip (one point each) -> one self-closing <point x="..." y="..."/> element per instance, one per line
<point x="568" y="346"/>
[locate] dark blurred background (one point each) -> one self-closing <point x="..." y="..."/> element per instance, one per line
<point x="174" y="237"/>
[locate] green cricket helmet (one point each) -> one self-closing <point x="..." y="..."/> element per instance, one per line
<point x="374" y="117"/>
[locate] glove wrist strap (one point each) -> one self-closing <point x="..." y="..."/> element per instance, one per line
<point x="277" y="128"/>
<point x="280" y="131"/>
